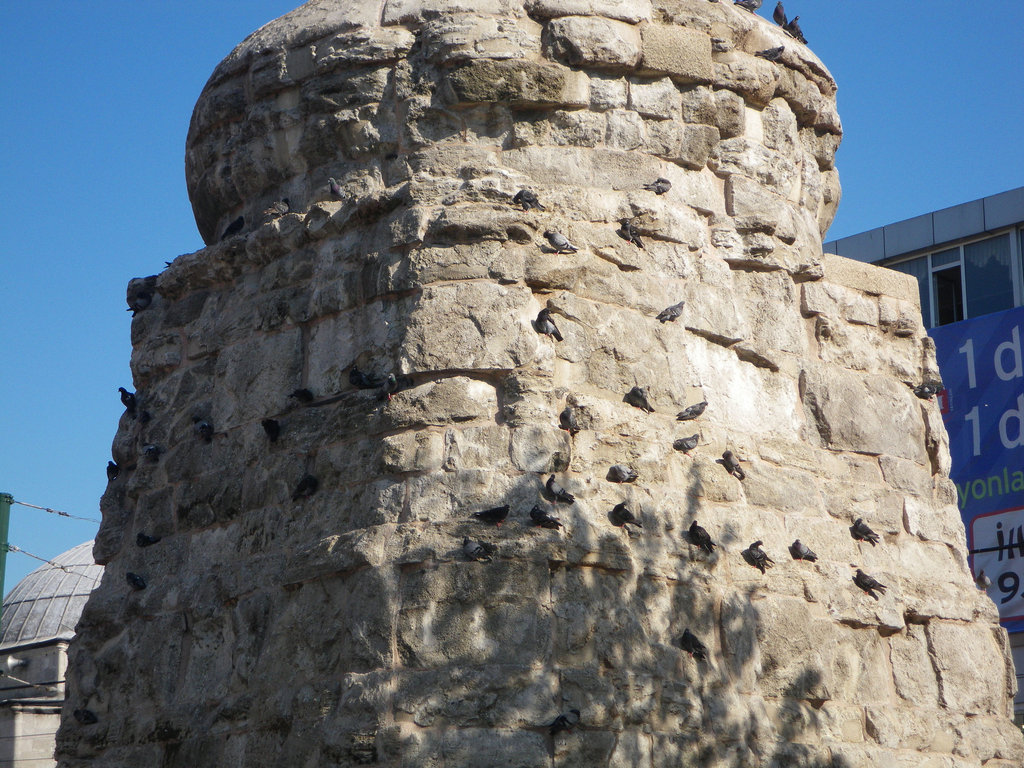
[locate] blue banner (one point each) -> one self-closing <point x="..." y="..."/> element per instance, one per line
<point x="982" y="369"/>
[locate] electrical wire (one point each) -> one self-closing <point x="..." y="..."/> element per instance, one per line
<point x="13" y="548"/>
<point x="56" y="512"/>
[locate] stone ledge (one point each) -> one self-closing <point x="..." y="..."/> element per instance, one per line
<point x="868" y="278"/>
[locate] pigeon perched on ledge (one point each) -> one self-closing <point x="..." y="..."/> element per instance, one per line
<point x="637" y="397"/>
<point x="692" y="411"/>
<point x="335" y="189"/>
<point x="629" y="233"/>
<point x="793" y="29"/>
<point x="860" y="531"/>
<point x="689" y="643"/>
<point x="128" y="400"/>
<point x="139" y="301"/>
<point x="278" y="208"/>
<point x="527" y="199"/>
<point x="799" y="551"/>
<point x="732" y="465"/>
<point x="622" y="517"/>
<point x="686" y="444"/>
<point x="750" y="5"/>
<point x="204" y="431"/>
<point x="867" y="583"/>
<point x="85" y="717"/>
<point x="699" y="537"/>
<point x="569" y="420"/>
<point x="565" y="722"/>
<point x="544" y="324"/>
<point x="659" y="186"/>
<point x="543" y="519"/>
<point x="273" y="429"/>
<point x="145" y="540"/>
<point x="494" y="516"/>
<point x="307" y="486"/>
<point x="113" y="469"/>
<point x="135" y="581"/>
<point x="620" y="473"/>
<point x="302" y="395"/>
<point x="671" y="314"/>
<point x="779" y="15"/>
<point x="477" y="550"/>
<point x="560" y="242"/>
<point x="757" y="557"/>
<point x="771" y="54"/>
<point x="928" y="390"/>
<point x="558" y="492"/>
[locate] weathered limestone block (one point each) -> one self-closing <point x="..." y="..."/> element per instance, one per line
<point x="631" y="11"/>
<point x="682" y="53"/>
<point x="593" y="42"/>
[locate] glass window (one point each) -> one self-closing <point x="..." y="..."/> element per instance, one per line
<point x="947" y="295"/>
<point x="945" y="257"/>
<point x="919" y="269"/>
<point x="988" y="276"/>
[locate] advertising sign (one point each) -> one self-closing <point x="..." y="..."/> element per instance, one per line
<point x="982" y="367"/>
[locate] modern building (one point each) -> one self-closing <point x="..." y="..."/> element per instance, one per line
<point x="969" y="265"/>
<point x="39" y="617"/>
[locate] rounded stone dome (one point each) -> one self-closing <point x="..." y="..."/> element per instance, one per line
<point x="46" y="604"/>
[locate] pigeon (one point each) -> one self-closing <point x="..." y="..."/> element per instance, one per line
<point x="983" y="581"/>
<point x="750" y="5"/>
<point x="541" y="518"/>
<point x="779" y="15"/>
<point x="800" y="551"/>
<point x="113" y="468"/>
<point x="335" y="189"/>
<point x="686" y="444"/>
<point x="671" y="314"/>
<point x="527" y="199"/>
<point x="388" y="388"/>
<point x="362" y="380"/>
<point x="689" y="643"/>
<point x="861" y="532"/>
<point x="145" y="540"/>
<point x="273" y="429"/>
<point x="85" y="716"/>
<point x="135" y="581"/>
<point x="928" y="390"/>
<point x="568" y="420"/>
<point x="757" y="557"/>
<point x="868" y="584"/>
<point x="544" y="324"/>
<point x="692" y="411"/>
<point x="204" y="431"/>
<point x="701" y="538"/>
<point x="278" y="208"/>
<point x="659" y="186"/>
<point x="793" y="28"/>
<point x="152" y="452"/>
<point x="620" y="473"/>
<point x="771" y="54"/>
<point x="233" y="228"/>
<point x="140" y="301"/>
<point x="565" y="722"/>
<point x="495" y="515"/>
<point x="732" y="465"/>
<point x="560" y="242"/>
<point x="477" y="550"/>
<point x="558" y="492"/>
<point x="302" y="395"/>
<point x="630" y="234"/>
<point x="621" y="516"/>
<point x="637" y="397"/>
<point x="128" y="399"/>
<point x="307" y="487"/>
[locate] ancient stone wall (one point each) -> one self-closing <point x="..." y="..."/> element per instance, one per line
<point x="348" y="626"/>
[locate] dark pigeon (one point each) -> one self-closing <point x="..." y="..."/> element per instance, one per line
<point x="527" y="199"/>
<point x="671" y="314"/>
<point x="757" y="557"/>
<point x="336" y="191"/>
<point x="85" y="717"/>
<point x="307" y="486"/>
<point x="983" y="582"/>
<point x="800" y="551"/>
<point x="113" y="468"/>
<point x="568" y="419"/>
<point x="135" y="581"/>
<point x="145" y="540"/>
<point x="128" y="400"/>
<point x="302" y="395"/>
<point x="692" y="411"/>
<point x="273" y="429"/>
<point x="868" y="584"/>
<point x="732" y="465"/>
<point x="140" y="301"/>
<point x="560" y="242"/>
<point x="779" y="15"/>
<point x="750" y="5"/>
<point x="541" y="518"/>
<point x="362" y="380"/>
<point x="637" y="397"/>
<point x="565" y="722"/>
<point x="477" y="550"/>
<point x="620" y="473"/>
<point x="558" y="492"/>
<point x="689" y="643"/>
<point x="659" y="186"/>
<point x="621" y="516"/>
<point x="278" y="208"/>
<point x="204" y="431"/>
<point x="233" y="228"/>
<point x="544" y="324"/>
<point x="860" y="531"/>
<point x="152" y="452"/>
<point x="494" y="516"/>
<point x="771" y="54"/>
<point x="793" y="28"/>
<point x="388" y="388"/>
<point x="686" y="444"/>
<point x="928" y="390"/>
<point x="699" y="537"/>
<point x="630" y="233"/>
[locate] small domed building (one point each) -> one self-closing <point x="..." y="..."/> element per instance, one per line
<point x="38" y="620"/>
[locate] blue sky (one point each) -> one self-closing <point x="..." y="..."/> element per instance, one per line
<point x="96" y="103"/>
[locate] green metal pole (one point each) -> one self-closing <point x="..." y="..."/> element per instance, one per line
<point x="5" y="524"/>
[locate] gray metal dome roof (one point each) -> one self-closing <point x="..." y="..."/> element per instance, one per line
<point x="46" y="604"/>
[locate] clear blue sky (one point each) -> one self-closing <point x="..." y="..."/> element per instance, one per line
<point x="96" y="101"/>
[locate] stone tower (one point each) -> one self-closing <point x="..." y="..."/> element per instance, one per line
<point x="346" y="625"/>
